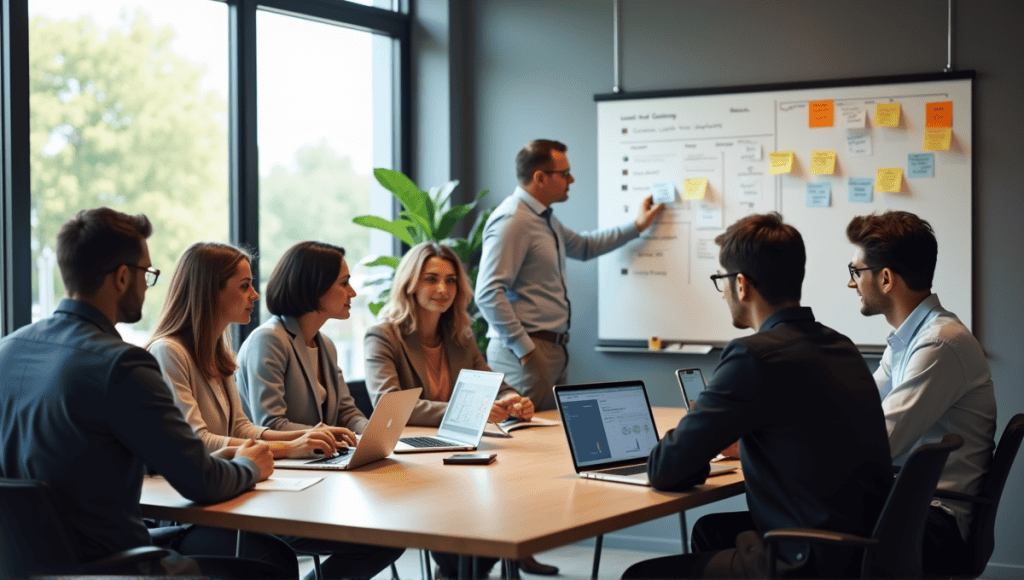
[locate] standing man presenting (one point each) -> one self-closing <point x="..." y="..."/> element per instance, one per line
<point x="933" y="377"/>
<point x="521" y="288"/>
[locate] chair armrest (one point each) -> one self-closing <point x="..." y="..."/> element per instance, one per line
<point x="944" y="494"/>
<point x="125" y="557"/>
<point x="817" y="536"/>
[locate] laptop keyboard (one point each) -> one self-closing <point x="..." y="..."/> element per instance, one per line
<point x="426" y="442"/>
<point x="342" y="457"/>
<point x="629" y="470"/>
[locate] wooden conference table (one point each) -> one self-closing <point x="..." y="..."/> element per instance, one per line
<point x="528" y="501"/>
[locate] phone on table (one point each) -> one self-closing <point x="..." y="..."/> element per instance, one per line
<point x="470" y="458"/>
<point x="691" y="381"/>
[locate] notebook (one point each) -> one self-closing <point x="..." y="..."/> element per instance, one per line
<point x="611" y="431"/>
<point x="464" y="420"/>
<point x="378" y="439"/>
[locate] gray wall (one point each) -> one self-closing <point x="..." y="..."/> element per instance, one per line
<point x="530" y="68"/>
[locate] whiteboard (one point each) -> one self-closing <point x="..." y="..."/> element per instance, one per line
<point x="659" y="285"/>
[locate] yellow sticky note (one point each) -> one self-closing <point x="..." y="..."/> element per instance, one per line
<point x="823" y="162"/>
<point x="937" y="138"/>
<point x="887" y="115"/>
<point x="820" y="114"/>
<point x="938" y="114"/>
<point x="889" y="180"/>
<point x="781" y="162"/>
<point x="695" y="188"/>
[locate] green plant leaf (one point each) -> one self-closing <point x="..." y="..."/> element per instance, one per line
<point x="451" y="218"/>
<point x="384" y="261"/>
<point x="444" y="192"/>
<point x="403" y="188"/>
<point x="425" y="233"/>
<point x="398" y="228"/>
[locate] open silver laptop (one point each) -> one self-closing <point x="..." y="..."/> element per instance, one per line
<point x="611" y="431"/>
<point x="464" y="420"/>
<point x="378" y="439"/>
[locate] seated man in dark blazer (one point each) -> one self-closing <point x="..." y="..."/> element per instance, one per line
<point x="800" y="399"/>
<point x="84" y="411"/>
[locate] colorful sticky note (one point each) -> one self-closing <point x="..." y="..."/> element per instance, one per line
<point x="887" y="115"/>
<point x="663" y="191"/>
<point x="819" y="194"/>
<point x="860" y="189"/>
<point x="820" y="114"/>
<point x="696" y="188"/>
<point x="921" y="165"/>
<point x="781" y="162"/>
<point x="823" y="162"/>
<point x="938" y="114"/>
<point x="889" y="180"/>
<point x="937" y="138"/>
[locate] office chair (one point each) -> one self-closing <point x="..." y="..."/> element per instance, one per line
<point x="35" y="541"/>
<point x="981" y="535"/>
<point x="894" y="548"/>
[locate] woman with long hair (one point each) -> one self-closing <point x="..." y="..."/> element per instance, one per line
<point x="425" y="340"/>
<point x="211" y="289"/>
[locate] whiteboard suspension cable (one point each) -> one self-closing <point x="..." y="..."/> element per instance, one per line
<point x="949" y="38"/>
<point x="615" y="46"/>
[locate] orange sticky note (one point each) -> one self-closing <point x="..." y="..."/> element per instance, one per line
<point x="889" y="180"/>
<point x="938" y="114"/>
<point x="823" y="162"/>
<point x="695" y="188"/>
<point x="887" y="115"/>
<point x="780" y="162"/>
<point x="937" y="138"/>
<point x="819" y="114"/>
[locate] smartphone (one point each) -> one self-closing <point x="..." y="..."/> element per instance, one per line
<point x="691" y="382"/>
<point x="470" y="458"/>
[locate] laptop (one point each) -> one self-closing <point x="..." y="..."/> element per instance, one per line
<point x="611" y="431"/>
<point x="464" y="420"/>
<point x="378" y="439"/>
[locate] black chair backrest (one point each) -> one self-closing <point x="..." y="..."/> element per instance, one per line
<point x="33" y="539"/>
<point x="981" y="539"/>
<point x="358" y="391"/>
<point x="900" y="526"/>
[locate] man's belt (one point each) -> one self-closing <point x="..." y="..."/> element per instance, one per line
<point x="548" y="336"/>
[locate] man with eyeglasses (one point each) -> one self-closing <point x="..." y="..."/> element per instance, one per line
<point x="799" y="397"/>
<point x="933" y="377"/>
<point x="84" y="411"/>
<point x="521" y="288"/>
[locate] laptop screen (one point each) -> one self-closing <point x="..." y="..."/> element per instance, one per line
<point x="470" y="405"/>
<point x="607" y="424"/>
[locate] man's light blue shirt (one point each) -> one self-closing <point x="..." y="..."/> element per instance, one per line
<point x="521" y="287"/>
<point x="934" y="379"/>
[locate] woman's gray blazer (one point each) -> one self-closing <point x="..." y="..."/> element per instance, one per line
<point x="275" y="380"/>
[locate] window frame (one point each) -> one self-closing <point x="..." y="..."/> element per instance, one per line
<point x="243" y="182"/>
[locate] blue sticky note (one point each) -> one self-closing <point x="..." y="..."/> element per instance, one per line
<point x="921" y="165"/>
<point x="860" y="189"/>
<point x="819" y="194"/>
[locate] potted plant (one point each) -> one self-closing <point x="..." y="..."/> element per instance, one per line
<point x="424" y="217"/>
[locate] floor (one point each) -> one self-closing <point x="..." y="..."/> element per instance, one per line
<point x="574" y="562"/>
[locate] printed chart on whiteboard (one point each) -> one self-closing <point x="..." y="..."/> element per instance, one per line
<point x="818" y="155"/>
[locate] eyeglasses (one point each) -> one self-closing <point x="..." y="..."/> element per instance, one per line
<point x="152" y="275"/>
<point x="716" y="277"/>
<point x="855" y="272"/>
<point x="565" y="173"/>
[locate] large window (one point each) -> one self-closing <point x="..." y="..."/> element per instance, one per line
<point x="150" y="106"/>
<point x="319" y="140"/>
<point x="128" y="110"/>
